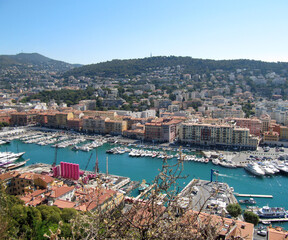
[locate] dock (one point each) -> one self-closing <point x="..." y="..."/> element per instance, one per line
<point x="273" y="220"/>
<point x="253" y="195"/>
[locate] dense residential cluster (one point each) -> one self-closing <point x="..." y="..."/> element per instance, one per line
<point x="225" y="127"/>
<point x="229" y="132"/>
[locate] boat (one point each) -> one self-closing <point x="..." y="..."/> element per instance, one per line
<point x="262" y="232"/>
<point x="15" y="165"/>
<point x="215" y="161"/>
<point x="227" y="164"/>
<point x="249" y="201"/>
<point x="266" y="222"/>
<point x="109" y="151"/>
<point x="9" y="156"/>
<point x="254" y="169"/>
<point x="143" y="186"/>
<point x="282" y="167"/>
<point x="267" y="170"/>
<point x="271" y="212"/>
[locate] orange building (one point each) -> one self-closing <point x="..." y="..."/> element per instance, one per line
<point x="271" y="136"/>
<point x="162" y="130"/>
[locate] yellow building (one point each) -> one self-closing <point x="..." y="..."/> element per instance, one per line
<point x="62" y="117"/>
<point x="266" y="119"/>
<point x="94" y="124"/>
<point x="283" y="133"/>
<point x="106" y="114"/>
<point x="115" y="127"/>
<point x="216" y="134"/>
<point x="270" y="136"/>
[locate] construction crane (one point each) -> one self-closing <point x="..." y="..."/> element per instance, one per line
<point x="56" y="149"/>
<point x="55" y="158"/>
<point x="88" y="162"/>
<point x="96" y="164"/>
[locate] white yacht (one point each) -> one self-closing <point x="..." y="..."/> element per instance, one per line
<point x="282" y="167"/>
<point x="255" y="169"/>
<point x="267" y="170"/>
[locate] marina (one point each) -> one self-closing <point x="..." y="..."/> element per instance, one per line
<point x="147" y="167"/>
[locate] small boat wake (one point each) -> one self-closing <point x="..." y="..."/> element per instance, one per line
<point x="227" y="176"/>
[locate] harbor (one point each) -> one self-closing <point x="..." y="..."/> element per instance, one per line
<point x="147" y="167"/>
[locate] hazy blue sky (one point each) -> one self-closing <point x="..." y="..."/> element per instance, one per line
<point x="91" y="31"/>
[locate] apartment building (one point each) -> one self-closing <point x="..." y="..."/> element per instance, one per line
<point x="94" y="124"/>
<point x="162" y="130"/>
<point x="23" y="118"/>
<point x="62" y="118"/>
<point x="217" y="135"/>
<point x="107" y="114"/>
<point x="253" y="124"/>
<point x="228" y="113"/>
<point x="115" y="127"/>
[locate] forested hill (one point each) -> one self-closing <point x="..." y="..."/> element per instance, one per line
<point x="35" y="61"/>
<point x="132" y="67"/>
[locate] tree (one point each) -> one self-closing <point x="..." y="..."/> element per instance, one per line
<point x="251" y="217"/>
<point x="67" y="214"/>
<point x="234" y="209"/>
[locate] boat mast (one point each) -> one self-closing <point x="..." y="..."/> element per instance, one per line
<point x="97" y="163"/>
<point x="56" y="149"/>
<point x="107" y="166"/>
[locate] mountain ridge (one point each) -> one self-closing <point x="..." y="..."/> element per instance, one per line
<point x="132" y="67"/>
<point x="40" y="61"/>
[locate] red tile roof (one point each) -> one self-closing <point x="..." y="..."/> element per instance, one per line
<point x="64" y="204"/>
<point x="60" y="191"/>
<point x="8" y="175"/>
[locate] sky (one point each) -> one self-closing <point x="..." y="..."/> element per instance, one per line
<point x="92" y="31"/>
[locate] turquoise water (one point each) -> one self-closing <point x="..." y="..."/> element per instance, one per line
<point x="147" y="168"/>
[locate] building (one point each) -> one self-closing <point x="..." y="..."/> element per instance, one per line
<point x="228" y="113"/>
<point x="51" y="120"/>
<point x="115" y="127"/>
<point x="113" y="102"/>
<point x="41" y="119"/>
<point x="224" y="135"/>
<point x="62" y="193"/>
<point x="75" y="124"/>
<point x="24" y="183"/>
<point x="5" y="115"/>
<point x="100" y="198"/>
<point x="162" y="103"/>
<point x="253" y="124"/>
<point x="266" y="120"/>
<point x="225" y="228"/>
<point x="134" y="134"/>
<point x="23" y="118"/>
<point x="163" y="130"/>
<point x="270" y="136"/>
<point x="62" y="118"/>
<point x="276" y="233"/>
<point x="283" y="133"/>
<point x="94" y="124"/>
<point x="106" y="114"/>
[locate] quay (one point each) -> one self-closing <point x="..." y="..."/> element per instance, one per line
<point x="273" y="220"/>
<point x="253" y="195"/>
<point x="202" y="195"/>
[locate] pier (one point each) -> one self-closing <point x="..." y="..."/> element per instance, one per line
<point x="273" y="220"/>
<point x="253" y="195"/>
